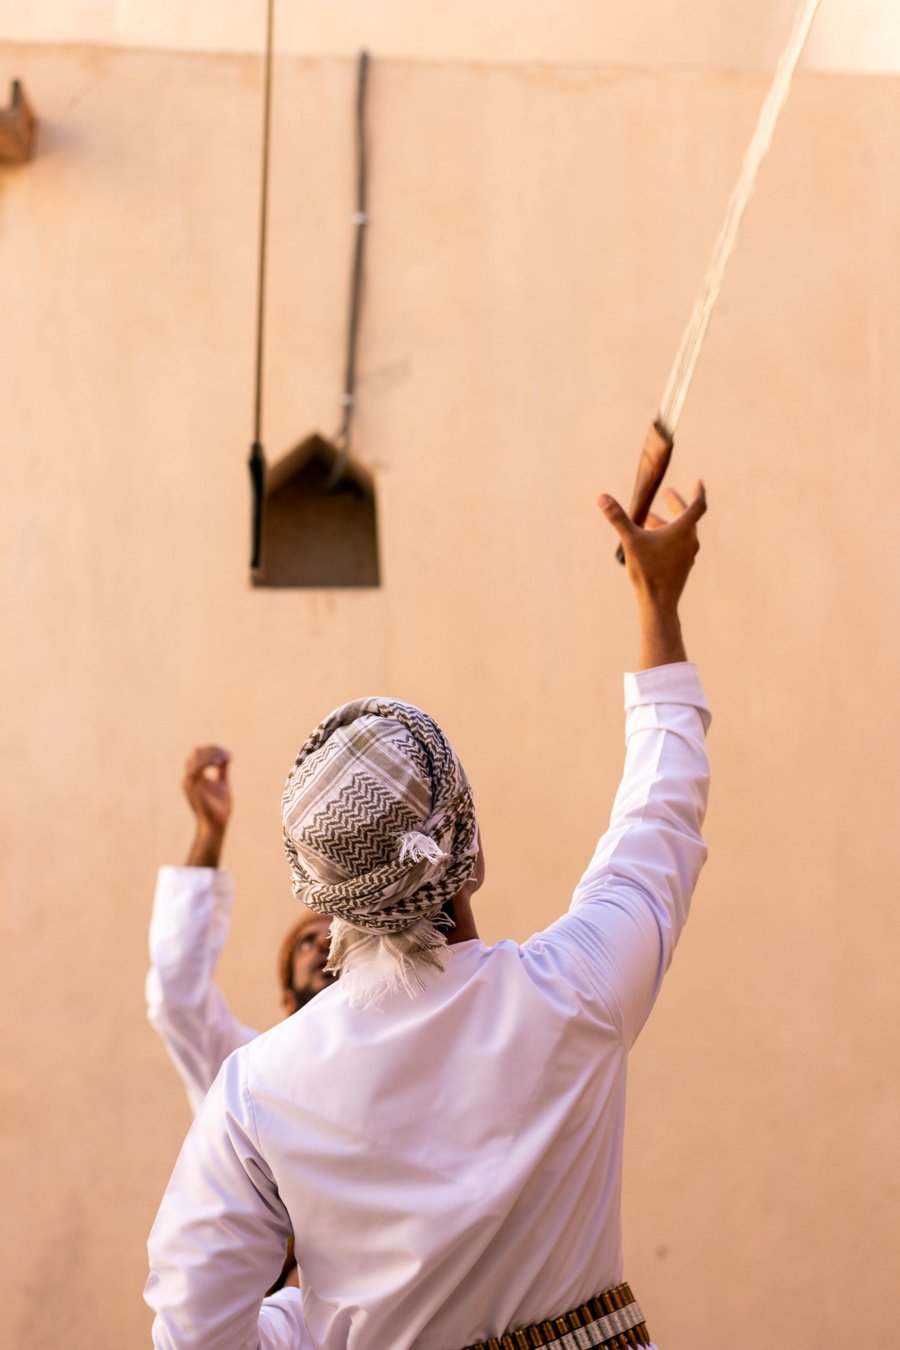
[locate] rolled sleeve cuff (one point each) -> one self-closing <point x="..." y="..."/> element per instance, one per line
<point x="678" y="683"/>
<point x="183" y="884"/>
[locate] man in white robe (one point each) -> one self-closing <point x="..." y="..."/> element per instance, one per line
<point x="442" y="1129"/>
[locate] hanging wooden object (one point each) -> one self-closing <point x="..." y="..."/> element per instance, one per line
<point x="18" y="125"/>
<point x="320" y="523"/>
<point x="313" y="512"/>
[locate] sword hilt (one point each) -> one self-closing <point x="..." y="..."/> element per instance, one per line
<point x="652" y="467"/>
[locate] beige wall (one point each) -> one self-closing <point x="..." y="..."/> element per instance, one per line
<point x="537" y="238"/>
<point x="848" y="35"/>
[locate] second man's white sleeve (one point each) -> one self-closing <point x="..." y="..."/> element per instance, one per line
<point x="191" y="914"/>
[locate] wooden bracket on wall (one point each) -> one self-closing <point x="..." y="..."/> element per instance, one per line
<point x="17" y="127"/>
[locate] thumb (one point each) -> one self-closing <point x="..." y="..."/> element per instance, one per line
<point x="697" y="507"/>
<point x="616" y="516"/>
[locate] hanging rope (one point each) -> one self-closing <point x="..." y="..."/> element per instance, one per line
<point x="657" y="448"/>
<point x="359" y="220"/>
<point x="257" y="460"/>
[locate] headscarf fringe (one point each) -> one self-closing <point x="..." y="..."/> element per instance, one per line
<point x="374" y="966"/>
<point x="418" y="846"/>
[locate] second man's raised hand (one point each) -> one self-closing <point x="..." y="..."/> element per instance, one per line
<point x="208" y="793"/>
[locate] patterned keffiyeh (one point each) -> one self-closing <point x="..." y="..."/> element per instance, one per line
<point x="380" y="831"/>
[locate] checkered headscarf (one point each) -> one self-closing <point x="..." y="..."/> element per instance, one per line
<point x="379" y="822"/>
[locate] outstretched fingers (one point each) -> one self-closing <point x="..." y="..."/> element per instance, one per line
<point x="697" y="507"/>
<point x="617" y="517"/>
<point x="674" y="501"/>
<point x="659" y="559"/>
<point x="686" y="514"/>
<point x="678" y="506"/>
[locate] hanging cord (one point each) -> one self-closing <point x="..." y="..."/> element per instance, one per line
<point x="257" y="461"/>
<point x="359" y="220"/>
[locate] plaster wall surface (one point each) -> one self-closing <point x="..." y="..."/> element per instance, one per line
<point x="537" y="238"/>
<point x="848" y="35"/>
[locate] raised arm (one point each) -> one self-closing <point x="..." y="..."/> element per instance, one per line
<point x="191" y="914"/>
<point x="632" y="902"/>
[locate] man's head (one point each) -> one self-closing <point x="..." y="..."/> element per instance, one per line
<point x="380" y="831"/>
<point x="301" y="962"/>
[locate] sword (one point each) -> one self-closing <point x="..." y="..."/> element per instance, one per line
<point x="660" y="439"/>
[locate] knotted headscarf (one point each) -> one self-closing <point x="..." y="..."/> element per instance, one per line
<point x="380" y="831"/>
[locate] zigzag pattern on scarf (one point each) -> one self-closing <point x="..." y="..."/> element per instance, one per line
<point x="391" y="895"/>
<point x="358" y="830"/>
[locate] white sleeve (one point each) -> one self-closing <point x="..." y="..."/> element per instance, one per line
<point x="630" y="906"/>
<point x="282" y="1325"/>
<point x="220" y="1237"/>
<point x="191" y="912"/>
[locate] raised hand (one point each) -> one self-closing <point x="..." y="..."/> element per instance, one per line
<point x="208" y="793"/>
<point x="659" y="559"/>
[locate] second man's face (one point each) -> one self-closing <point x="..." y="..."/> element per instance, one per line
<point x="310" y="955"/>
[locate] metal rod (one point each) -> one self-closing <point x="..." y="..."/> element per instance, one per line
<point x="257" y="461"/>
<point x="360" y="221"/>
<point x="263" y="221"/>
